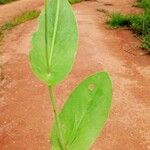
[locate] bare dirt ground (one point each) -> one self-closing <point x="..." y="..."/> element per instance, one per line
<point x="26" y="116"/>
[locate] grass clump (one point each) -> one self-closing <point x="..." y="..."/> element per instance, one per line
<point x="143" y="4"/>
<point x="146" y="42"/>
<point x="74" y="1"/>
<point x="139" y="23"/>
<point x="118" y="20"/>
<point x="6" y="1"/>
<point x="29" y="15"/>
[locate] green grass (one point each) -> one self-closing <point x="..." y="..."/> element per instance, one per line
<point x="6" y="1"/>
<point x="29" y="15"/>
<point x="74" y="1"/>
<point x="139" y="23"/>
<point x="143" y="4"/>
<point x="118" y="20"/>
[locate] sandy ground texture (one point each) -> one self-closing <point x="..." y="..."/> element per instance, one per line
<point x="26" y="115"/>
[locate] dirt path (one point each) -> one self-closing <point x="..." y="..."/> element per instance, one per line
<point x="25" y="113"/>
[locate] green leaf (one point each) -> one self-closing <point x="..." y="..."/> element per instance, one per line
<point x="52" y="66"/>
<point x="84" y="114"/>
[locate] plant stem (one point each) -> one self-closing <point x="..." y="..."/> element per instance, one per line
<point x="52" y="98"/>
<point x="58" y="124"/>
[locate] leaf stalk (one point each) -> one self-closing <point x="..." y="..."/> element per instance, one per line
<point x="56" y="115"/>
<point x="52" y="98"/>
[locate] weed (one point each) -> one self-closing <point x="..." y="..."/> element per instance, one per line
<point x="29" y="15"/>
<point x="143" y="4"/>
<point x="118" y="20"/>
<point x="146" y="42"/>
<point x="6" y="1"/>
<point x="74" y="1"/>
<point x="139" y="23"/>
<point x="53" y="52"/>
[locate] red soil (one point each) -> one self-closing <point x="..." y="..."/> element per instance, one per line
<point x="26" y="115"/>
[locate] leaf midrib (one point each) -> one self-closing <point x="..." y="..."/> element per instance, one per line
<point x="54" y="34"/>
<point x="82" y="118"/>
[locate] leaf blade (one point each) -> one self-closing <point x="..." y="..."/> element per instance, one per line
<point x="62" y="43"/>
<point x="85" y="113"/>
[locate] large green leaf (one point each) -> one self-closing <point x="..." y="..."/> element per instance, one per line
<point x="85" y="113"/>
<point x="61" y="43"/>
